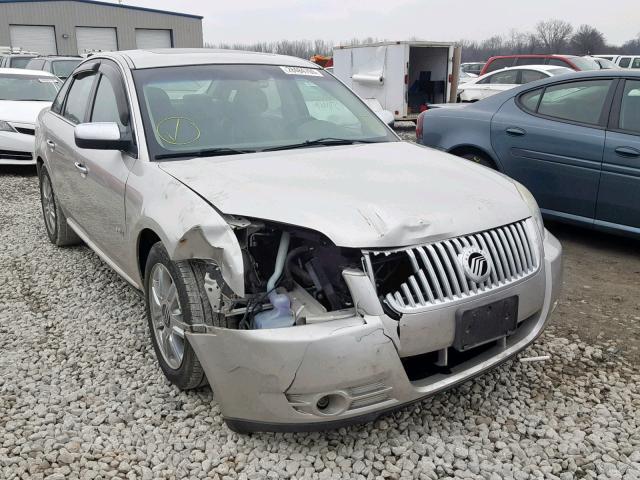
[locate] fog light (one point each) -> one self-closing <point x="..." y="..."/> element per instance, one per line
<point x="323" y="402"/>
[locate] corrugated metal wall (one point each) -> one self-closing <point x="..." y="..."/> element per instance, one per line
<point x="66" y="16"/>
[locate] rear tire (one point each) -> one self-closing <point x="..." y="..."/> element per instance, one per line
<point x="480" y="159"/>
<point x="55" y="221"/>
<point x="174" y="294"/>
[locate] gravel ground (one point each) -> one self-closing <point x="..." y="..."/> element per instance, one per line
<point x="81" y="395"/>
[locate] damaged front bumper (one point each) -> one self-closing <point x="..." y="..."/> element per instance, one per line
<point x="353" y="370"/>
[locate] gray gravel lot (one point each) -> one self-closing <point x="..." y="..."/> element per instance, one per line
<point x="81" y="395"/>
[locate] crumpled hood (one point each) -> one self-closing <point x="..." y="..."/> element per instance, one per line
<point x="364" y="195"/>
<point x="21" y="112"/>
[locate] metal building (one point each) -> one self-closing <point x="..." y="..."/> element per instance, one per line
<point x="72" y="27"/>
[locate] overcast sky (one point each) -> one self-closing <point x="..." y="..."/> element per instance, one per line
<point x="338" y="20"/>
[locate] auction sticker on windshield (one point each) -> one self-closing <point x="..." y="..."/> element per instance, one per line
<point x="310" y="72"/>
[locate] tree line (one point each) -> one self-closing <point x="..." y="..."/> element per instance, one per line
<point x="549" y="36"/>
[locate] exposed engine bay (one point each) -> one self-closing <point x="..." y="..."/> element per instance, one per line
<point x="292" y="276"/>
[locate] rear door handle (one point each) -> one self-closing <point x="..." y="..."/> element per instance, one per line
<point x="515" y="132"/>
<point x="628" y="152"/>
<point x="81" y="168"/>
<point x="51" y="144"/>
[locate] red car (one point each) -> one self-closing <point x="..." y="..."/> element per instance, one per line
<point x="572" y="61"/>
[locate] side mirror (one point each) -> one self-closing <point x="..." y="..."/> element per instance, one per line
<point x="100" y="136"/>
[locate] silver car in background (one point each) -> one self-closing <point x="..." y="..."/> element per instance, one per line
<point x="293" y="252"/>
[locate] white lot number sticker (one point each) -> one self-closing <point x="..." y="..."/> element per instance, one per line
<point x="309" y="72"/>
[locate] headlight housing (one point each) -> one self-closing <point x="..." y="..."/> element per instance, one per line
<point x="5" y="127"/>
<point x="533" y="206"/>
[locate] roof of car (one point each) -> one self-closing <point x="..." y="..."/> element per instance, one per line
<point x="173" y="57"/>
<point x="540" y="68"/>
<point x="25" y="72"/>
<point x="53" y="58"/>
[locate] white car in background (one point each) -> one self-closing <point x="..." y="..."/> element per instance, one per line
<point x="628" y="61"/>
<point x="505" y="79"/>
<point x="466" y="77"/>
<point x="23" y="95"/>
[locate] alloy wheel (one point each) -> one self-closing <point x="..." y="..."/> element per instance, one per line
<point x="166" y="316"/>
<point x="48" y="205"/>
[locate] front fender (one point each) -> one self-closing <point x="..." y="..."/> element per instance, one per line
<point x="188" y="226"/>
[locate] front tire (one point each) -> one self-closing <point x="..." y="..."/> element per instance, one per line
<point x="173" y="300"/>
<point x="55" y="221"/>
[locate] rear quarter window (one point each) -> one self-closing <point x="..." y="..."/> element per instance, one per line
<point x="529" y="101"/>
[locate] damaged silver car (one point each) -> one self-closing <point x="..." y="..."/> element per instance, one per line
<point x="296" y="255"/>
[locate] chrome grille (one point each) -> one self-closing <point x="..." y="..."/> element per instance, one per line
<point x="437" y="273"/>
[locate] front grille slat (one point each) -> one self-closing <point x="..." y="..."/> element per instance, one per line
<point x="511" y="251"/>
<point x="462" y="280"/>
<point x="527" y="249"/>
<point x="441" y="273"/>
<point x="483" y="246"/>
<point x="494" y="256"/>
<point x="514" y="250"/>
<point x="450" y="272"/>
<point x="431" y="272"/>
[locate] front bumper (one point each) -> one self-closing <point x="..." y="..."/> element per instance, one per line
<point x="17" y="148"/>
<point x="272" y="380"/>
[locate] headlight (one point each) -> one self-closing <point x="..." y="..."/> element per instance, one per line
<point x="532" y="204"/>
<point x="5" y="127"/>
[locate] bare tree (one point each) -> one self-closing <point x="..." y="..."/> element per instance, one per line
<point x="588" y="41"/>
<point x="554" y="34"/>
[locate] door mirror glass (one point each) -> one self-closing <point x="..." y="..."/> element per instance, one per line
<point x="100" y="136"/>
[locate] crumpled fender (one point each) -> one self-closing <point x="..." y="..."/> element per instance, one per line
<point x="190" y="228"/>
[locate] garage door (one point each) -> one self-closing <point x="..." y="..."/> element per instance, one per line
<point x="148" y="39"/>
<point x="91" y="39"/>
<point x="36" y="38"/>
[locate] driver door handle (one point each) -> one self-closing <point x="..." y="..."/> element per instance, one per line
<point x="81" y="168"/>
<point x="628" y="152"/>
<point x="51" y="144"/>
<point x="515" y="132"/>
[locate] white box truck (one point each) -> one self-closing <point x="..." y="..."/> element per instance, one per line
<point x="402" y="76"/>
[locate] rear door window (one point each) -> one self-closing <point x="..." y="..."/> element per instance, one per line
<point x="581" y="102"/>
<point x="636" y="63"/>
<point x="529" y="76"/>
<point x="508" y="77"/>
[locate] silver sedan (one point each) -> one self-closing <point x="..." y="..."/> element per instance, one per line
<point x="293" y="252"/>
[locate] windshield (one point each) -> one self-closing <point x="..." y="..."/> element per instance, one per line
<point x="28" y="87"/>
<point x="19" y="62"/>
<point x="584" y="63"/>
<point x="249" y="108"/>
<point x="63" y="68"/>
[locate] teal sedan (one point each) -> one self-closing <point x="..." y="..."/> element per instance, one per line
<point x="572" y="140"/>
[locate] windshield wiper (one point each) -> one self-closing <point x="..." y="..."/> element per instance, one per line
<point x="326" y="141"/>
<point x="208" y="152"/>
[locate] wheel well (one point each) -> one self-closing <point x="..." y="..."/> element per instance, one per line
<point x="39" y="164"/>
<point x="459" y="151"/>
<point x="148" y="238"/>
